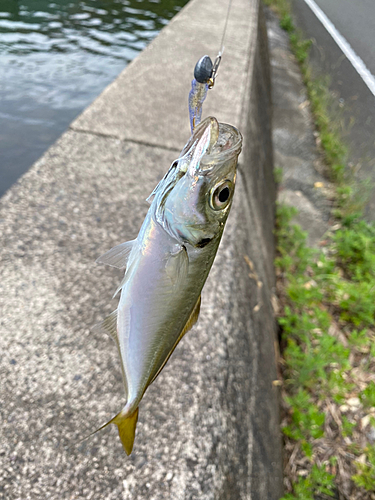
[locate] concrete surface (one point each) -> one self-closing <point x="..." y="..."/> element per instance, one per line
<point x="209" y="426"/>
<point x="304" y="185"/>
<point x="355" y="104"/>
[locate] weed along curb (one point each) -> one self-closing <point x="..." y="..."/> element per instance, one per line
<point x="326" y="294"/>
<point x="209" y="426"/>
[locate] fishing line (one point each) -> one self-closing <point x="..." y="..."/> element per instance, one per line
<point x="221" y="51"/>
<point x="225" y="26"/>
<point x="204" y="79"/>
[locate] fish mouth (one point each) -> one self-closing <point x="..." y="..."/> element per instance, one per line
<point x="204" y="138"/>
<point x="227" y="146"/>
<point x="211" y="144"/>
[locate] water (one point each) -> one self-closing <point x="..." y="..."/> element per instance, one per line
<point x="55" y="58"/>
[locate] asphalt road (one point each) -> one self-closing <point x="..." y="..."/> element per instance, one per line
<point x="355" y="21"/>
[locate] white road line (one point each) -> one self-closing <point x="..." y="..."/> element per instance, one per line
<point x="356" y="61"/>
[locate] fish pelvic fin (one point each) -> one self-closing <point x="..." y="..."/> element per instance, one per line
<point x="126" y="429"/>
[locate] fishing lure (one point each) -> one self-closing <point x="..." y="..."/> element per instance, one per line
<point x="204" y="79"/>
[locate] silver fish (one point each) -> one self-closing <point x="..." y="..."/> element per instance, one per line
<point x="169" y="261"/>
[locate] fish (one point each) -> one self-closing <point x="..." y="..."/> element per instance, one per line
<point x="168" y="263"/>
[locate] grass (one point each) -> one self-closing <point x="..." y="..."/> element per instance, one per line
<point x="328" y="359"/>
<point x="327" y="319"/>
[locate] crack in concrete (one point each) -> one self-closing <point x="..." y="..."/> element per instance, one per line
<point x="112" y="136"/>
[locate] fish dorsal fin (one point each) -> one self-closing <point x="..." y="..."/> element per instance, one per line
<point x="193" y="318"/>
<point x="118" y="255"/>
<point x="108" y="326"/>
<point x="177" y="265"/>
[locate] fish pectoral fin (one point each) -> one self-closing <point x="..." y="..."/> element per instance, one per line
<point x="108" y="326"/>
<point x="177" y="266"/>
<point x="117" y="256"/>
<point x="193" y="318"/>
<point x="126" y="429"/>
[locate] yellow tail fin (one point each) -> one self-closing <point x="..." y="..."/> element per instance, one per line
<point x="126" y="429"/>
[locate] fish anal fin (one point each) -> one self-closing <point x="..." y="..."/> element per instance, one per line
<point x="193" y="318"/>
<point x="108" y="326"/>
<point x="117" y="256"/>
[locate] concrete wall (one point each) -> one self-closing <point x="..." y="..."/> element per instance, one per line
<point x="209" y="425"/>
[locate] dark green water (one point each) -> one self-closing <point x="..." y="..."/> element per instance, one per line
<point x="55" y="58"/>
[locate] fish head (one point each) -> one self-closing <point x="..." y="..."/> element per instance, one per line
<point x="196" y="205"/>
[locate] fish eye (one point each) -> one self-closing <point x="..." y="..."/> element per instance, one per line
<point x="221" y="195"/>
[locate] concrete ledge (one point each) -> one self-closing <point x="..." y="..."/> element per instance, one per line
<point x="209" y="426"/>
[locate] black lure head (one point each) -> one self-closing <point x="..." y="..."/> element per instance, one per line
<point x="203" y="69"/>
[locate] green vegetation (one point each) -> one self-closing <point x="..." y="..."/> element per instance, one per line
<point x="278" y="174"/>
<point x="328" y="358"/>
<point x="327" y="318"/>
